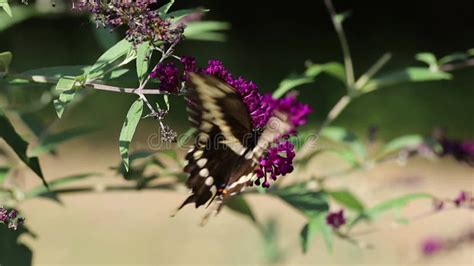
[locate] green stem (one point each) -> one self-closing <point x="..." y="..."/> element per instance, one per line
<point x="344" y="45"/>
<point x="335" y="111"/>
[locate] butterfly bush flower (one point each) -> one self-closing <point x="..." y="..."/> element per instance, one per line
<point x="336" y="219"/>
<point x="431" y="246"/>
<point x="278" y="159"/>
<point x="169" y="76"/>
<point x="141" y="18"/>
<point x="11" y="218"/>
<point x="461" y="150"/>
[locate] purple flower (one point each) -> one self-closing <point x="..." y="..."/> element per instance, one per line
<point x="189" y="63"/>
<point x="336" y="219"/>
<point x="11" y="218"/>
<point x="216" y="68"/>
<point x="462" y="197"/>
<point x="3" y="215"/>
<point x="431" y="246"/>
<point x="141" y="18"/>
<point x="462" y="151"/>
<point x="277" y="161"/>
<point x="298" y="112"/>
<point x="169" y="76"/>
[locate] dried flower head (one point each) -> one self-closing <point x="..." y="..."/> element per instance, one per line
<point x="141" y="18"/>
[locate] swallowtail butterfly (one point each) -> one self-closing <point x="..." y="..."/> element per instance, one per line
<point x="222" y="161"/>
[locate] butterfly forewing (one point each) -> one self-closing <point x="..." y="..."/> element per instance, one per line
<point x="220" y="162"/>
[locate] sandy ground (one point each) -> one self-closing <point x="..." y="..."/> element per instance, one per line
<point x="135" y="228"/>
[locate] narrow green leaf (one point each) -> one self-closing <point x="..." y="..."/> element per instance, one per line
<point x="6" y="7"/>
<point x="395" y="203"/>
<point x="143" y="60"/>
<point x="5" y="61"/>
<point x="206" y="30"/>
<point x="105" y="37"/>
<point x="310" y="203"/>
<point x="428" y="58"/>
<point x="3" y="173"/>
<point x="58" y="71"/>
<point x="399" y="143"/>
<point x="290" y="83"/>
<point x="388" y="205"/>
<point x="239" y="204"/>
<point x="128" y="130"/>
<point x="333" y="69"/>
<point x="410" y="74"/>
<point x="55" y="184"/>
<point x="340" y="18"/>
<point x="19" y="146"/>
<point x="179" y="14"/>
<point x="347" y="199"/>
<point x="316" y="225"/>
<point x="165" y="8"/>
<point x="67" y="92"/>
<point x="120" y="50"/>
<point x="51" y="141"/>
<point x="453" y="57"/>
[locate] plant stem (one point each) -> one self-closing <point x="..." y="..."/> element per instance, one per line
<point x="89" y="85"/>
<point x="344" y="45"/>
<point x="335" y="111"/>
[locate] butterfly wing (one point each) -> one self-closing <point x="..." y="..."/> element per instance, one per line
<point x="224" y="136"/>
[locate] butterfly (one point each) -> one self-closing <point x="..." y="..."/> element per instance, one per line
<point x="222" y="160"/>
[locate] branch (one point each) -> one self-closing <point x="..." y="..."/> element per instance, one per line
<point x="344" y="45"/>
<point x="89" y="85"/>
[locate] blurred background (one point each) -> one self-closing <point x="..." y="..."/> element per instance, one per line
<point x="266" y="43"/>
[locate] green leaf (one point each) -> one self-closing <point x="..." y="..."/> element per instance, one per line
<point x="240" y="205"/>
<point x="143" y="60"/>
<point x="410" y="74"/>
<point x="310" y="203"/>
<point x="6" y="7"/>
<point x="67" y="92"/>
<point x="41" y="191"/>
<point x="392" y="204"/>
<point x="58" y="71"/>
<point x="5" y="61"/>
<point x="429" y="59"/>
<point x="3" y="173"/>
<point x="121" y="50"/>
<point x="179" y="14"/>
<point x="290" y="83"/>
<point x="105" y="37"/>
<point x="347" y="199"/>
<point x="165" y="8"/>
<point x="206" y="30"/>
<point x="333" y="69"/>
<point x="395" y="203"/>
<point x="453" y="57"/>
<point x="128" y="130"/>
<point x="13" y="250"/>
<point x="399" y="143"/>
<point x="19" y="146"/>
<point x="316" y="225"/>
<point x="341" y="135"/>
<point x="51" y="141"/>
<point x="343" y="16"/>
